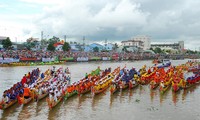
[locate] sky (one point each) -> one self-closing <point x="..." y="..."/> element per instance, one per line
<point x="115" y="20"/>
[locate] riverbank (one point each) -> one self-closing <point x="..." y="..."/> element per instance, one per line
<point x="38" y="63"/>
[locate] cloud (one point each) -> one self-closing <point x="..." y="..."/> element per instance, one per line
<point x="44" y="2"/>
<point x="87" y="18"/>
<point x="115" y="20"/>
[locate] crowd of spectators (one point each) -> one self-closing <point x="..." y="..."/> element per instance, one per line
<point x="18" y="54"/>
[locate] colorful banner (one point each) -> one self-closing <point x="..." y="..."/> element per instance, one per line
<point x="82" y="59"/>
<point x="95" y="58"/>
<point x="47" y="59"/>
<point x="67" y="59"/>
<point x="106" y="58"/>
<point x="8" y="60"/>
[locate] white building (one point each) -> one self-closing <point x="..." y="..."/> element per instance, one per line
<point x="170" y="46"/>
<point x="141" y="42"/>
<point x="133" y="43"/>
<point x="146" y="41"/>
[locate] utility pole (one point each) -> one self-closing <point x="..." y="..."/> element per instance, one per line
<point x="41" y="35"/>
<point x="83" y="43"/>
<point x="105" y="43"/>
<point x="65" y="38"/>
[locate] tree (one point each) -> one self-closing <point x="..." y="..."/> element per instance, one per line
<point x="169" y="51"/>
<point x="115" y="46"/>
<point x="29" y="45"/>
<point x="54" y="39"/>
<point x="44" y="42"/>
<point x="157" y="50"/>
<point x="124" y="49"/>
<point x="66" y="46"/>
<point x="7" y="43"/>
<point x="96" y="49"/>
<point x="151" y="49"/>
<point x="51" y="47"/>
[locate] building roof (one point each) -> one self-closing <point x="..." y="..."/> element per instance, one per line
<point x="132" y="41"/>
<point x="3" y="38"/>
<point x="58" y="43"/>
<point x="175" y="44"/>
<point x="96" y="44"/>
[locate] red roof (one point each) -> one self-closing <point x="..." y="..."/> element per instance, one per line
<point x="58" y="43"/>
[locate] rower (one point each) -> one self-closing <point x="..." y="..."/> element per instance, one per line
<point x="26" y="92"/>
<point x="5" y="99"/>
<point x="162" y="84"/>
<point x="42" y="76"/>
<point x="53" y="70"/>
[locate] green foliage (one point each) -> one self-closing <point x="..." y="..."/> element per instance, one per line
<point x="51" y="42"/>
<point x="191" y="52"/>
<point x="54" y="40"/>
<point x="158" y="50"/>
<point x="115" y="46"/>
<point x="169" y="51"/>
<point x="124" y="49"/>
<point x="44" y="42"/>
<point x="29" y="45"/>
<point x="51" y="47"/>
<point x="66" y="46"/>
<point x="96" y="49"/>
<point x="7" y="43"/>
<point x="151" y="49"/>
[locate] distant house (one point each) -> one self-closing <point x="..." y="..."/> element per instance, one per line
<point x="1" y="40"/>
<point x="93" y="45"/>
<point x="87" y="48"/>
<point x="35" y="41"/>
<point x="109" y="46"/>
<point x="58" y="46"/>
<point x="75" y="47"/>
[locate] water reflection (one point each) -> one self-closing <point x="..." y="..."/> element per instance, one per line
<point x="189" y="91"/>
<point x="10" y="111"/>
<point x="55" y="112"/>
<point x="141" y="90"/>
<point x="82" y="99"/>
<point x="40" y="106"/>
<point x="164" y="95"/>
<point x="122" y="95"/>
<point x="175" y="96"/>
<point x="96" y="99"/>
<point x="27" y="111"/>
<point x="152" y="95"/>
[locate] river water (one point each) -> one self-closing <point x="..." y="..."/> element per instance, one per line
<point x="138" y="104"/>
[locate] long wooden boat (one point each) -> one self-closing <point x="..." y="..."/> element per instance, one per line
<point x="26" y="101"/>
<point x="153" y="85"/>
<point x="84" y="91"/>
<point x="175" y="87"/>
<point x="163" y="90"/>
<point x="68" y="95"/>
<point x="55" y="103"/>
<point x="42" y="96"/>
<point x="95" y="92"/>
<point x="107" y="80"/>
<point x="167" y="85"/>
<point x="5" y="106"/>
<point x="52" y="105"/>
<point x="133" y="85"/>
<point x="114" y="88"/>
